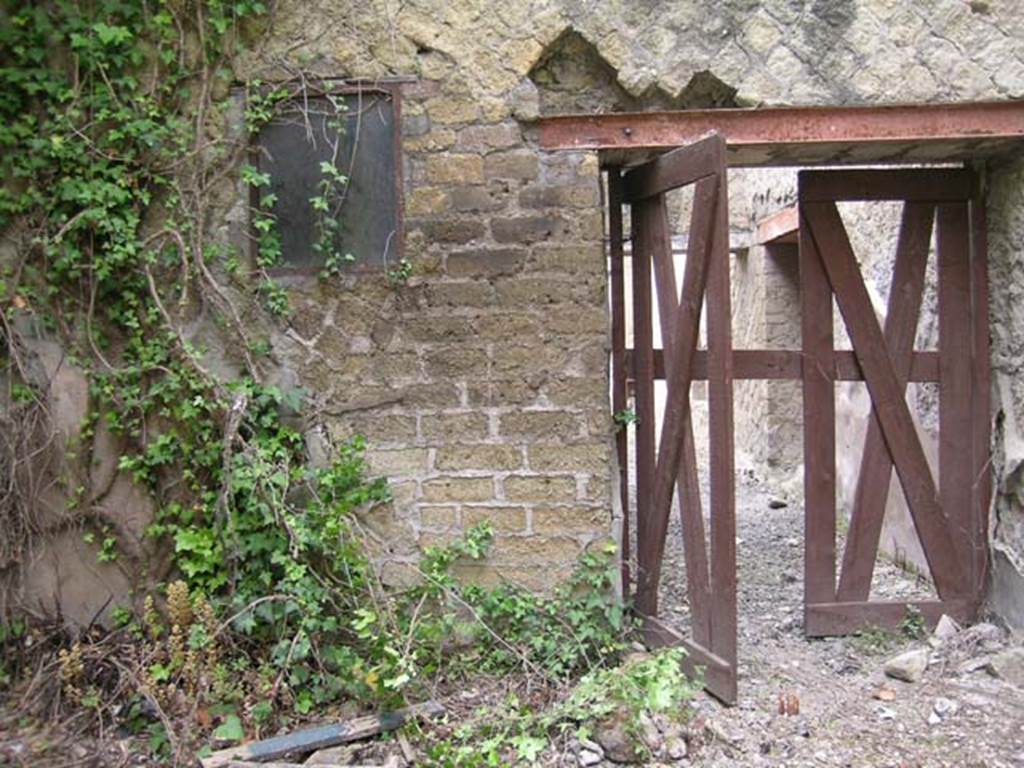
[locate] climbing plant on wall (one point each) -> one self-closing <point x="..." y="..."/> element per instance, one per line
<point x="115" y="159"/>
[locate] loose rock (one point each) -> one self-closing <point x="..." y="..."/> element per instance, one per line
<point x="676" y="748"/>
<point x="946" y="628"/>
<point x="908" y="666"/>
<point x="1008" y="666"/>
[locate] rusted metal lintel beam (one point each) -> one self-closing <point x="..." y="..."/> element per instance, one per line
<point x="803" y="135"/>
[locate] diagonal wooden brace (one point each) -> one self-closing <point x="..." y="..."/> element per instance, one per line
<point x="891" y="409"/>
<point x="875" y="475"/>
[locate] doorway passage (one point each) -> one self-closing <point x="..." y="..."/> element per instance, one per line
<point x="842" y="343"/>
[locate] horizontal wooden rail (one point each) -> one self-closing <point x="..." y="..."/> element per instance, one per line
<point x="829" y="619"/>
<point x="785" y="364"/>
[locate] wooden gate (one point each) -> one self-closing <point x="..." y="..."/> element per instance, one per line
<point x="949" y="512"/>
<point x="672" y="463"/>
<point x="950" y="515"/>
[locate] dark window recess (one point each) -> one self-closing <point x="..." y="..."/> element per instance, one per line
<point x="362" y="214"/>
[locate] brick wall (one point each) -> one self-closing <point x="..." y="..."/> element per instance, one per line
<point x="480" y="384"/>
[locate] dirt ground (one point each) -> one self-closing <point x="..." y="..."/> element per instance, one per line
<point x="850" y="713"/>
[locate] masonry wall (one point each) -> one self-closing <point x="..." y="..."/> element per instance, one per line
<point x="481" y="384"/>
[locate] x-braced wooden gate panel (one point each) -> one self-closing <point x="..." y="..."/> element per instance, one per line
<point x="671" y="464"/>
<point x="949" y="513"/>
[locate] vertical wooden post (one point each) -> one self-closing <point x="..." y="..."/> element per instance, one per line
<point x="643" y="358"/>
<point x="981" y="400"/>
<point x="618" y="301"/>
<point x="956" y="471"/>
<point x="720" y="428"/>
<point x="819" y="409"/>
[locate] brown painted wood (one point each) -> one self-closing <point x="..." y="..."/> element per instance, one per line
<point x="618" y="300"/>
<point x="956" y="467"/>
<point x="717" y="673"/>
<point x="678" y="168"/>
<point x="919" y="185"/>
<point x="721" y="433"/>
<point x="688" y="481"/>
<point x="873" y="481"/>
<point x="891" y="409"/>
<point x="687" y="326"/>
<point x="981" y="402"/>
<point x="720" y="430"/>
<point x="846" y="618"/>
<point x="819" y="423"/>
<point x="785" y="364"/>
<point x="643" y="393"/>
<point x="780" y="227"/>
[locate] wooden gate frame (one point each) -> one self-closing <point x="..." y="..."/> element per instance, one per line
<point x="951" y="515"/>
<point x="711" y="580"/>
<point x="884" y="359"/>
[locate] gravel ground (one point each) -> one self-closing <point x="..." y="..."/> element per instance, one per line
<point x="850" y="713"/>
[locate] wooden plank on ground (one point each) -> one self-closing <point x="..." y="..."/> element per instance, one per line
<point x="875" y="475"/>
<point x="311" y="739"/>
<point x="890" y="406"/>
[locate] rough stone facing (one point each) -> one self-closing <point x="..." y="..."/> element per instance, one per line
<point x="505" y="317"/>
<point x="481" y="383"/>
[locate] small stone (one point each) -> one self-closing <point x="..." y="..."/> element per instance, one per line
<point x="908" y="666"/>
<point x="946" y="628"/>
<point x="943" y="708"/>
<point x="986" y="636"/>
<point x="934" y="719"/>
<point x="1008" y="666"/>
<point x="650" y="734"/>
<point x="613" y="736"/>
<point x="884" y="713"/>
<point x="592" y="746"/>
<point x="777" y="503"/>
<point x="676" y="748"/>
<point x="588" y="758"/>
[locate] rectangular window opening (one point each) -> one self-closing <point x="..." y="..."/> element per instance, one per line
<point x="335" y="176"/>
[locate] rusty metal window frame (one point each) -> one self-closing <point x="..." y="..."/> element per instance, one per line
<point x="320" y="88"/>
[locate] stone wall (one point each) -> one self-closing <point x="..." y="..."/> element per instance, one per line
<point x="481" y="384"/>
